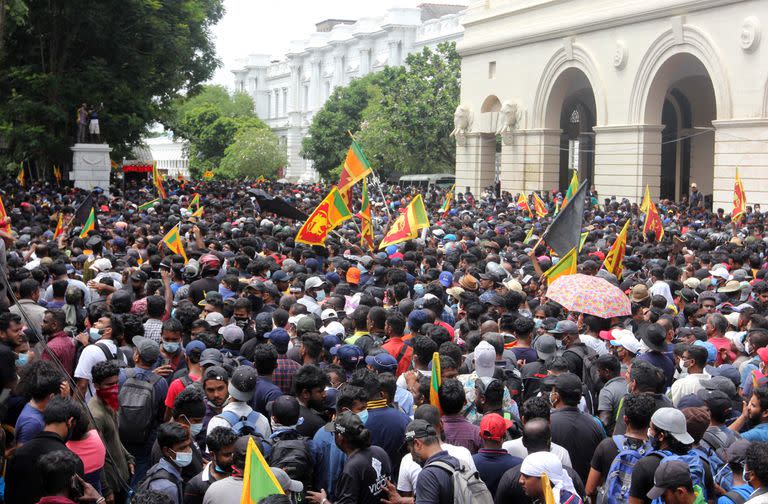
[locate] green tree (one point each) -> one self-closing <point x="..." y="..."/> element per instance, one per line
<point x="255" y="152"/>
<point x="133" y="57"/>
<point x="407" y="129"/>
<point x="328" y="138"/>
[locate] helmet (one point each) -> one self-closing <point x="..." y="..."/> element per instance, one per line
<point x="209" y="262"/>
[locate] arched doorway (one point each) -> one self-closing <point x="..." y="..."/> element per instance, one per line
<point x="682" y="100"/>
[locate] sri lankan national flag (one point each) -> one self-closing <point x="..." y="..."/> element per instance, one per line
<point x="198" y="213"/>
<point x="653" y="222"/>
<point x="522" y="204"/>
<point x="258" y="479"/>
<point x="448" y="200"/>
<point x="331" y="212"/>
<point x="539" y="206"/>
<point x="583" y="240"/>
<point x="90" y="224"/>
<point x="435" y="382"/>
<point x="366" y="227"/>
<point x="615" y="258"/>
<point x="355" y="167"/>
<point x="21" y="177"/>
<point x="3" y="216"/>
<point x="57" y="174"/>
<point x="113" y="164"/>
<point x="172" y="240"/>
<point x="59" y="226"/>
<point x="739" y="198"/>
<point x="572" y="188"/>
<point x="565" y="266"/>
<point x="407" y="224"/>
<point x="646" y="199"/>
<point x="157" y="181"/>
<point x="148" y="204"/>
<point x="194" y="201"/>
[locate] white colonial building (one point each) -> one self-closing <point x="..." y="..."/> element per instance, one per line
<point x="289" y="92"/>
<point x="170" y="155"/>
<point x="630" y="93"/>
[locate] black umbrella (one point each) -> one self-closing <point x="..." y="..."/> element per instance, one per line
<point x="277" y="205"/>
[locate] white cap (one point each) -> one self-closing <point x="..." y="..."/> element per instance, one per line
<point x="102" y="264"/>
<point x="335" y="328"/>
<point x="312" y="283"/>
<point x="485" y="359"/>
<point x="328" y="313"/>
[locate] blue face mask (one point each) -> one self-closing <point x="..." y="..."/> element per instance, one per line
<point x="363" y="416"/>
<point x="418" y="290"/>
<point x="171" y="346"/>
<point x="320" y="295"/>
<point x="183" y="459"/>
<point x="196" y="428"/>
<point x="537" y="322"/>
<point x="225" y="293"/>
<point x="219" y="470"/>
<point x="94" y="334"/>
<point x="22" y="359"/>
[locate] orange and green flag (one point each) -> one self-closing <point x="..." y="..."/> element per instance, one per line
<point x="539" y="206"/>
<point x="194" y="201"/>
<point x="20" y="178"/>
<point x="157" y="180"/>
<point x="448" y="200"/>
<point x="366" y="227"/>
<point x="565" y="266"/>
<point x="208" y="175"/>
<point x="90" y="224"/>
<point x="57" y="174"/>
<point x="331" y="212"/>
<point x="653" y="222"/>
<point x="572" y="188"/>
<point x="583" y="240"/>
<point x="113" y="164"/>
<point x="59" y="226"/>
<point x="614" y="259"/>
<point x="739" y="198"/>
<point x="355" y="167"/>
<point x="172" y="240"/>
<point x="407" y="224"/>
<point x="148" y="204"/>
<point x="258" y="479"/>
<point x="435" y="382"/>
<point x="646" y="199"/>
<point x="199" y="212"/>
<point x="522" y="204"/>
<point x="3" y="216"/>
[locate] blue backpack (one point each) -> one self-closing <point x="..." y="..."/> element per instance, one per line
<point x="692" y="460"/>
<point x="242" y="426"/>
<point x="615" y="490"/>
<point x="716" y="465"/>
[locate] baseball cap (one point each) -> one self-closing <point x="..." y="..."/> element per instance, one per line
<point x="211" y="357"/>
<point x="668" y="476"/>
<point x="286" y="483"/>
<point x="215" y="319"/>
<point x="736" y="453"/>
<point x="418" y="429"/>
<point x="353" y="275"/>
<point x="329" y="314"/>
<point x="212" y="298"/>
<point x="305" y="324"/>
<point x="330" y="341"/>
<point x="545" y="346"/>
<point x="149" y="350"/>
<point x="216" y="373"/>
<point x="493" y="426"/>
<point x="716" y="400"/>
<point x="673" y="421"/>
<point x="194" y="346"/>
<point x="139" y="276"/>
<point x="382" y="362"/>
<point x="346" y="424"/>
<point x="102" y="264"/>
<point x="485" y="359"/>
<point x="278" y="336"/>
<point x="243" y="383"/>
<point x="446" y="279"/>
<point x="565" y="327"/>
<point x="697" y="421"/>
<point x="719" y="383"/>
<point x="313" y="283"/>
<point x="626" y="340"/>
<point x="348" y="354"/>
<point x="568" y="383"/>
<point x="335" y="328"/>
<point x="232" y="333"/>
<point x="280" y="276"/>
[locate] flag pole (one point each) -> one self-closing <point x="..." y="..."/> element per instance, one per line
<point x="376" y="181"/>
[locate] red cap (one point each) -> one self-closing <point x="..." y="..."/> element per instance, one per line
<point x="494" y="426"/>
<point x="606" y="335"/>
<point x="763" y="354"/>
<point x="598" y="254"/>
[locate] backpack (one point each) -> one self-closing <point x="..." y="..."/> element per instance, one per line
<point x="736" y="497"/>
<point x="291" y="454"/>
<point x="138" y="407"/>
<point x="244" y="425"/>
<point x="615" y="490"/>
<point x="468" y="488"/>
<point x="118" y="358"/>
<point x="692" y="460"/>
<point x="160" y="474"/>
<point x="589" y="374"/>
<point x="712" y="447"/>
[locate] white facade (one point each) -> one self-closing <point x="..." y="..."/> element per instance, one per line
<point x="170" y="155"/>
<point x="288" y="93"/>
<point x="632" y="93"/>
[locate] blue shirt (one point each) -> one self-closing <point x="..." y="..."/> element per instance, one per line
<point x="166" y="486"/>
<point x="747" y="371"/>
<point x="29" y="423"/>
<point x="492" y="464"/>
<point x="387" y="426"/>
<point x="758" y="433"/>
<point x="329" y="462"/>
<point x="264" y="392"/>
<point x="743" y="490"/>
<point x="404" y="399"/>
<point x="662" y="362"/>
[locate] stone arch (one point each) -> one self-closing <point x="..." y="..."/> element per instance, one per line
<point x="691" y="41"/>
<point x="546" y="113"/>
<point x="491" y="104"/>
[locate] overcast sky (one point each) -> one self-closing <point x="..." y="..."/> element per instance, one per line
<point x="258" y="27"/>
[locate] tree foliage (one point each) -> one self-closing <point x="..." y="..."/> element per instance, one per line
<point x="210" y="122"/>
<point x="133" y="57"/>
<point x="255" y="152"/>
<point x="402" y="117"/>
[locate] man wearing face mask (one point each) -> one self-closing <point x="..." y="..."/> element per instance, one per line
<point x="692" y="362"/>
<point x="165" y="477"/>
<point x="188" y="411"/>
<point x="102" y="338"/>
<point x="313" y="294"/>
<point x="119" y="466"/>
<point x="23" y="481"/>
<point x="170" y="346"/>
<point x="221" y="446"/>
<point x="756" y="339"/>
<point x="193" y="372"/>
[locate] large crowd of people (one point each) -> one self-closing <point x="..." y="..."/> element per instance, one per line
<point x="129" y="375"/>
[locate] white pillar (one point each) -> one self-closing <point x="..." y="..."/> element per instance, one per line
<point x="740" y="143"/>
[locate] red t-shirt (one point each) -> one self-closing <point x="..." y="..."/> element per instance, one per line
<point x="394" y="346"/>
<point x="176" y="387"/>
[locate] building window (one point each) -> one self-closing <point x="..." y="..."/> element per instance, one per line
<point x="269" y="105"/>
<point x="306" y="97"/>
<point x="277" y="103"/>
<point x="492" y="70"/>
<point x="575" y="116"/>
<point x="285" y="102"/>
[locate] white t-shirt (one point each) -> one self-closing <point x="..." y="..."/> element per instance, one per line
<point x="516" y="449"/>
<point x="410" y="470"/>
<point x="240" y="409"/>
<point x="90" y="356"/>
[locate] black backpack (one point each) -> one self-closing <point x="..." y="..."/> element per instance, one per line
<point x="160" y="474"/>
<point x="291" y="453"/>
<point x="118" y="358"/>
<point x="138" y="407"/>
<point x="589" y="374"/>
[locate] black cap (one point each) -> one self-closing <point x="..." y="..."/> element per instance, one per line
<point x="668" y="476"/>
<point x="419" y="429"/>
<point x="568" y="383"/>
<point x="347" y="424"/>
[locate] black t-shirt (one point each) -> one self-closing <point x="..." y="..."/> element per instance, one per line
<point x="510" y="490"/>
<point x="642" y="478"/>
<point x="312" y="422"/>
<point x="364" y="478"/>
<point x="199" y="288"/>
<point x="578" y="433"/>
<point x="607" y="451"/>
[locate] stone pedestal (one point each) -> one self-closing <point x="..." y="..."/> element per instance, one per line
<point x="91" y="166"/>
<point x="475" y="162"/>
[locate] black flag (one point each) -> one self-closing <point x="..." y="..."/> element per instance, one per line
<point x="277" y="205"/>
<point x="564" y="233"/>
<point x="83" y="211"/>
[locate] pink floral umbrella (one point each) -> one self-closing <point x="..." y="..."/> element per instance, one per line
<point x="589" y="294"/>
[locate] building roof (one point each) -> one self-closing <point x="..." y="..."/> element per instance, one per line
<point x="434" y="10"/>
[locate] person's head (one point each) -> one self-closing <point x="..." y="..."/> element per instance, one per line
<point x="533" y="467"/>
<point x="716" y="325"/>
<point x="608" y="367"/>
<point x="694" y="359"/>
<point x="489" y="393"/>
<point x="567" y="391"/>
<point x="215" y="385"/>
<point x="756" y="464"/>
<point x="265" y="359"/>
<point x="423" y="350"/>
<point x="309" y="384"/>
<point x="58" y="473"/>
<point x="672" y="483"/>
<point x="145" y="352"/>
<point x="221" y="444"/>
<point x="10" y="328"/>
<point x="285" y="411"/>
<point x="104" y="376"/>
<point x="349" y="432"/>
<point x="431" y="415"/>
<point x="41" y="381"/>
<point x="54" y="321"/>
<point x="171" y="334"/>
<point x="452" y="396"/>
<point x="643" y="377"/>
<point x="537" y="435"/>
<point x="108" y="326"/>
<point x="422" y="440"/>
<point x="757" y="408"/>
<point x="60" y="416"/>
<point x="352" y="398"/>
<point x="175" y="443"/>
<point x="669" y="431"/>
<point x="638" y="409"/>
<point x="189" y="409"/>
<point x="394" y="327"/>
<point x="29" y="289"/>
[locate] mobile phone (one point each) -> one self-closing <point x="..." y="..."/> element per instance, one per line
<point x="77" y="489"/>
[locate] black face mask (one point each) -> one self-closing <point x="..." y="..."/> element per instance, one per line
<point x="257" y="303"/>
<point x="655" y="442"/>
